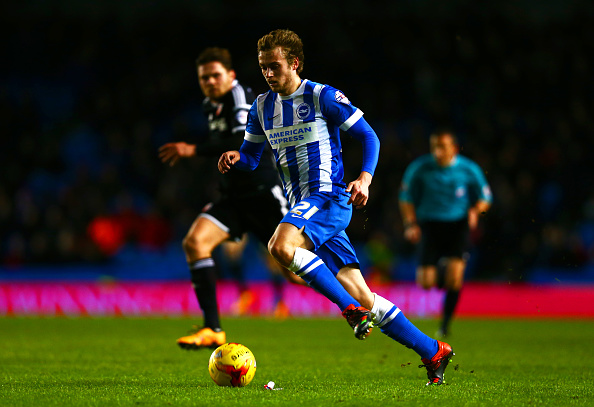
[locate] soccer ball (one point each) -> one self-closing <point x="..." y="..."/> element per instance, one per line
<point x="232" y="364"/>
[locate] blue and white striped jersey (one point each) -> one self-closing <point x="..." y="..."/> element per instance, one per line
<point x="303" y="130"/>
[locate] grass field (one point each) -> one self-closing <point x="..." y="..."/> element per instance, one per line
<point x="316" y="362"/>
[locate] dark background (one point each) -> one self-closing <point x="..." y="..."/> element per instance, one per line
<point x="90" y="90"/>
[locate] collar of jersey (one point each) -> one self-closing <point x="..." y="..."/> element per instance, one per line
<point x="452" y="163"/>
<point x="299" y="91"/>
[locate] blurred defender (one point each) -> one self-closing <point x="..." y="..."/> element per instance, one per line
<point x="441" y="197"/>
<point x="250" y="202"/>
<point x="301" y="120"/>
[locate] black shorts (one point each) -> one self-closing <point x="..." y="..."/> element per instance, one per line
<point x="443" y="239"/>
<point x="259" y="214"/>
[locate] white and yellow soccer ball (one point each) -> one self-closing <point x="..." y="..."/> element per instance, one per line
<point x="232" y="364"/>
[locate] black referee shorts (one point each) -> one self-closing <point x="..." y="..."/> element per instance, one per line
<point x="443" y="239"/>
<point x="258" y="213"/>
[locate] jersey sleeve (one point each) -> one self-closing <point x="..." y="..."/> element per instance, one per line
<point x="250" y="154"/>
<point x="240" y="116"/>
<point x="253" y="141"/>
<point x="336" y="107"/>
<point x="482" y="189"/>
<point x="363" y="132"/>
<point x="253" y="130"/>
<point x="409" y="182"/>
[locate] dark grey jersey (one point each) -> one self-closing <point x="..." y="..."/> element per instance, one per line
<point x="226" y="128"/>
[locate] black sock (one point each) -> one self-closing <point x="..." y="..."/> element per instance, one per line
<point x="204" y="280"/>
<point x="441" y="267"/>
<point x="449" y="306"/>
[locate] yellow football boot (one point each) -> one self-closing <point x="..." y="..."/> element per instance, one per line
<point x="203" y="338"/>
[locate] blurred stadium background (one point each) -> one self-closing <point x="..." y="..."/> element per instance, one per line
<point x="91" y="222"/>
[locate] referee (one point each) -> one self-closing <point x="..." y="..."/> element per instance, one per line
<point x="441" y="197"/>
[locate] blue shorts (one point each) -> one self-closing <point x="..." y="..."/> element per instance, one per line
<point x="324" y="217"/>
<point x="338" y="252"/>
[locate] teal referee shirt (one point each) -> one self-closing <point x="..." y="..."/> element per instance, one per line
<point x="444" y="193"/>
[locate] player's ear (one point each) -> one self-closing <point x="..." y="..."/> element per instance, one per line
<point x="295" y="64"/>
<point x="232" y="74"/>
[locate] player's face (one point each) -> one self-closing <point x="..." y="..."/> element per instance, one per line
<point x="281" y="76"/>
<point x="443" y="149"/>
<point x="215" y="81"/>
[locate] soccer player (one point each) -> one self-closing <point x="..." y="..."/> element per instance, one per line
<point x="301" y="120"/>
<point x="250" y="202"/>
<point x="441" y="197"/>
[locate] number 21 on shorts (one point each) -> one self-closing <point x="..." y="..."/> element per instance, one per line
<point x="304" y="209"/>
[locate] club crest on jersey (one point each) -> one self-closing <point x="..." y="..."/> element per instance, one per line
<point x="340" y="97"/>
<point x="241" y="117"/>
<point x="303" y="111"/>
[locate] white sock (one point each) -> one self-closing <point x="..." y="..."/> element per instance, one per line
<point x="303" y="262"/>
<point x="383" y="310"/>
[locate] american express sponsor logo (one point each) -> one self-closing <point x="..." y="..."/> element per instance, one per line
<point x="292" y="135"/>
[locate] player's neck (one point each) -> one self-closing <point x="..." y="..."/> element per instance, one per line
<point x="295" y="83"/>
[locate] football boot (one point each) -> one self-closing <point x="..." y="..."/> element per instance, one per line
<point x="359" y="318"/>
<point x="202" y="338"/>
<point x="438" y="363"/>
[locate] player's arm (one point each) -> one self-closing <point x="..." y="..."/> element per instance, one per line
<point x="246" y="159"/>
<point x="485" y="197"/>
<point x="359" y="188"/>
<point x="170" y="153"/>
<point x="479" y="208"/>
<point x="248" y="156"/>
<point x="412" y="230"/>
<point x="336" y="107"/>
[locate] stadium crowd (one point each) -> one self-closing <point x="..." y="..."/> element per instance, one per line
<point x="86" y="102"/>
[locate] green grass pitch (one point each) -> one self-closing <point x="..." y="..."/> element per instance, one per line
<point x="316" y="362"/>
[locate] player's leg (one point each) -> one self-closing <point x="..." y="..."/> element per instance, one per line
<point x="204" y="235"/>
<point x="231" y="256"/>
<point x="233" y="253"/>
<point x="292" y="249"/>
<point x="308" y="224"/>
<point x="435" y="355"/>
<point x="454" y="278"/>
<point x="339" y="254"/>
<point x="454" y="238"/>
<point x="261" y="217"/>
<point x="426" y="276"/>
<point x="387" y="316"/>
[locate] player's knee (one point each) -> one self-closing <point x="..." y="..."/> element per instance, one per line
<point x="281" y="251"/>
<point x="455" y="285"/>
<point x="187" y="243"/>
<point x="426" y="285"/>
<point x="191" y="244"/>
<point x="425" y="280"/>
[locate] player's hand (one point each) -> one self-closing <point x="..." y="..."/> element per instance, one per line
<point x="473" y="218"/>
<point x="412" y="233"/>
<point x="227" y="160"/>
<point x="359" y="190"/>
<point x="170" y="153"/>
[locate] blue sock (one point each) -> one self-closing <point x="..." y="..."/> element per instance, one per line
<point x="393" y="323"/>
<point x="314" y="272"/>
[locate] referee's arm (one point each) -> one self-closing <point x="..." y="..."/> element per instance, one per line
<point x="412" y="231"/>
